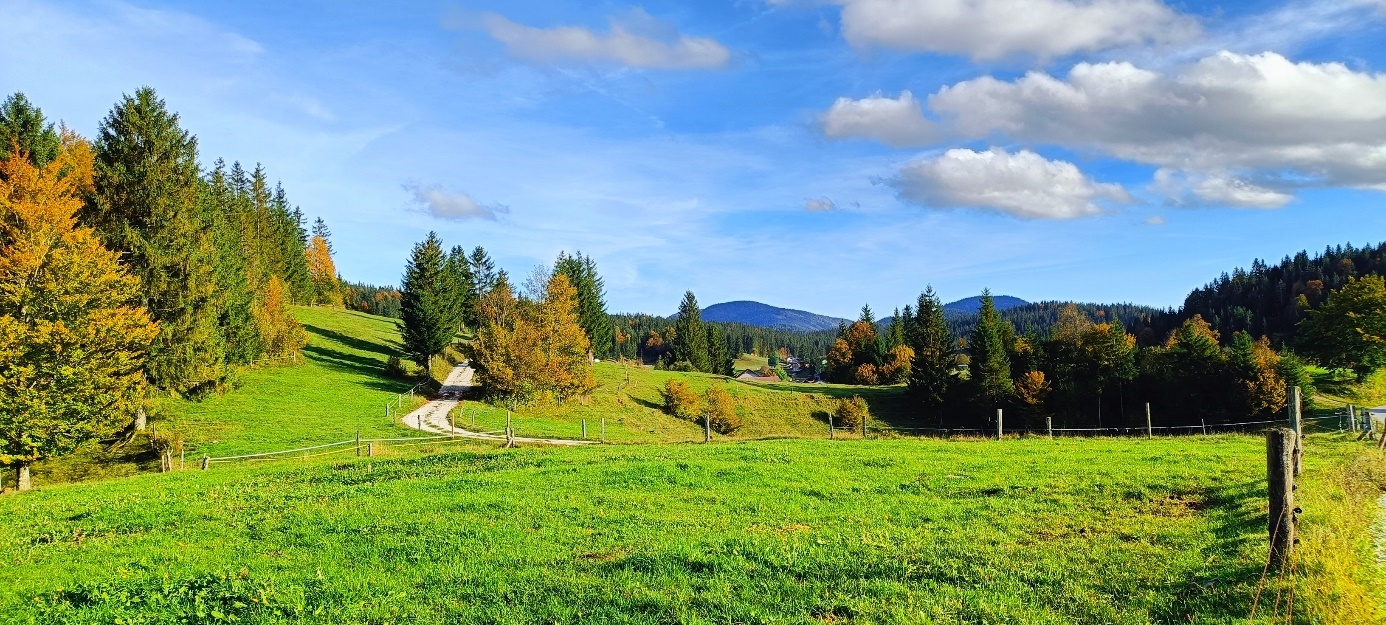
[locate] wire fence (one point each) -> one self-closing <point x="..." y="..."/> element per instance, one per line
<point x="1201" y="428"/>
<point x="395" y="405"/>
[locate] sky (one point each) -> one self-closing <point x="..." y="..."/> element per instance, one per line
<point x="812" y="154"/>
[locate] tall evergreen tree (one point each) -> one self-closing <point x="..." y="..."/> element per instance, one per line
<point x="147" y="208"/>
<point x="484" y="280"/>
<point x="458" y="286"/>
<point x="719" y="358"/>
<point x="690" y="338"/>
<point x="935" y="355"/>
<point x="320" y="230"/>
<point x="990" y="363"/>
<point x="426" y="325"/>
<point x="22" y="125"/>
<point x="291" y="246"/>
<point x="582" y="274"/>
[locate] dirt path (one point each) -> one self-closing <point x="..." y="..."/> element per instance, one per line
<point x="432" y="417"/>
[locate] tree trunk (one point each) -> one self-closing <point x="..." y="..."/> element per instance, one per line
<point x="25" y="482"/>
<point x="141" y="420"/>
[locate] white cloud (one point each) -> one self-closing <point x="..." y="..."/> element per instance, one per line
<point x="635" y="40"/>
<point x="1217" y="188"/>
<point x="1313" y="123"/>
<point x="819" y="204"/>
<point x="1155" y="220"/>
<point x="892" y="121"/>
<point x="996" y="29"/>
<point x="453" y="206"/>
<point x="1021" y="184"/>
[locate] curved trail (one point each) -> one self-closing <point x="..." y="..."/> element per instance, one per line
<point x="432" y="417"/>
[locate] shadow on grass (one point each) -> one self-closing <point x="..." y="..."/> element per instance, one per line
<point x="350" y="341"/>
<point x="360" y="365"/>
<point x="1224" y="594"/>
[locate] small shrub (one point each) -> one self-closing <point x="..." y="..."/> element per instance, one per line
<point x="396" y="368"/>
<point x="721" y="410"/>
<point x="851" y="413"/>
<point x="682" y="365"/>
<point x="679" y="400"/>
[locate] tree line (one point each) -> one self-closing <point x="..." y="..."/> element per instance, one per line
<point x="130" y="271"/>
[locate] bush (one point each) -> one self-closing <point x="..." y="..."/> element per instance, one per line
<point x="679" y="400"/>
<point x="396" y="368"/>
<point x="851" y="413"/>
<point x="721" y="410"/>
<point x="682" y="365"/>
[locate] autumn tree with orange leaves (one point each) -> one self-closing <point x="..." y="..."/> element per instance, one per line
<point x="322" y="272"/>
<point x="72" y="346"/>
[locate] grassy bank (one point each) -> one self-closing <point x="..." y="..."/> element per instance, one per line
<point x="903" y="531"/>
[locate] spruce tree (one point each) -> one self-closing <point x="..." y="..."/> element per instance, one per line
<point x="690" y="338"/>
<point x="718" y="356"/>
<point x="425" y="324"/>
<point x="935" y="355"/>
<point x="291" y="262"/>
<point x="990" y="358"/>
<point x="22" y="125"/>
<point x="484" y="280"/>
<point x="148" y="208"/>
<point x="458" y="286"/>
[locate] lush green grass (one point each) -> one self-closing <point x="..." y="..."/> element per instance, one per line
<point x="336" y="389"/>
<point x="633" y="413"/>
<point x="750" y="361"/>
<point x="1020" y="531"/>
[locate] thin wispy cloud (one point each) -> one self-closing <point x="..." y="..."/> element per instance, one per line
<point x="635" y="40"/>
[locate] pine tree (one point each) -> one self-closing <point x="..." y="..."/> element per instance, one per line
<point x="425" y="326"/>
<point x="459" y="286"/>
<point x="23" y="126"/>
<point x="990" y="363"/>
<point x="72" y="347"/>
<point x="718" y="356"/>
<point x="291" y="260"/>
<point x="931" y="378"/>
<point x="582" y="273"/>
<point x="147" y="208"/>
<point x="484" y="279"/>
<point x="690" y="339"/>
<point x="320" y="230"/>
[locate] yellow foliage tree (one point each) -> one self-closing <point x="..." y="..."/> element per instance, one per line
<point x="282" y="333"/>
<point x="322" y="272"/>
<point x="72" y="348"/>
<point x="1032" y="389"/>
<point x="679" y="400"/>
<point x="721" y="410"/>
<point x="527" y="351"/>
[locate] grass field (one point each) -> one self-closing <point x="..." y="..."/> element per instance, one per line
<point x="336" y="389"/>
<point x="633" y="414"/>
<point x="804" y="531"/>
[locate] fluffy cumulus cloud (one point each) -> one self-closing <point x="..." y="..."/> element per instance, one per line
<point x="1221" y="121"/>
<point x="1217" y="189"/>
<point x="1226" y="112"/>
<point x="996" y="29"/>
<point x="634" y="40"/>
<point x="819" y="204"/>
<point x="1021" y="184"/>
<point x="892" y="121"/>
<point x="453" y="206"/>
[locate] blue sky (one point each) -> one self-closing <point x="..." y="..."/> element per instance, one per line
<point x="809" y="154"/>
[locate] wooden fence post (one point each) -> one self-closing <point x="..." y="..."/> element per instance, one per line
<point x="603" y="439"/>
<point x="832" y="434"/>
<point x="509" y="436"/>
<point x="205" y="462"/>
<point x="584" y="429"/>
<point x="1204" y="423"/>
<point x="863" y="425"/>
<point x="1049" y="426"/>
<point x="998" y="424"/>
<point x="1297" y="425"/>
<point x="707" y="428"/>
<point x="370" y="450"/>
<point x="358" y="443"/>
<point x="1148" y="430"/>
<point x="1280" y="481"/>
<point x="182" y="459"/>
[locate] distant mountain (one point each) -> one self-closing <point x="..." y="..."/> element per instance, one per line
<point x="767" y="316"/>
<point x="970" y="305"/>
